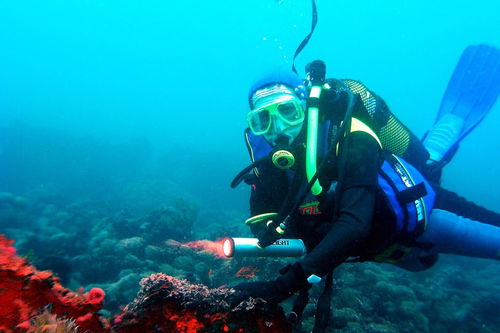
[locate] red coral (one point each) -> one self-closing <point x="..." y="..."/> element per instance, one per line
<point x="24" y="291"/>
<point x="247" y="272"/>
<point x="167" y="304"/>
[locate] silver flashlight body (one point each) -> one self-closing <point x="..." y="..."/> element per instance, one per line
<point x="247" y="247"/>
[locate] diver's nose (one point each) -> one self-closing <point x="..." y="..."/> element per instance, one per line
<point x="279" y="126"/>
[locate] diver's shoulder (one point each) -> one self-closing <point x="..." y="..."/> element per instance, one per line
<point x="356" y="86"/>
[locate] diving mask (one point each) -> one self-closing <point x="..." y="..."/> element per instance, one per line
<point x="286" y="110"/>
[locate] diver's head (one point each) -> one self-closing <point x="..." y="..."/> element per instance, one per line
<point x="277" y="110"/>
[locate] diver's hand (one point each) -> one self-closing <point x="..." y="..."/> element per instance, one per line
<point x="292" y="279"/>
<point x="266" y="233"/>
<point x="270" y="291"/>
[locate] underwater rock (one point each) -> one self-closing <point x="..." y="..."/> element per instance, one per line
<point x="124" y="227"/>
<point x="168" y="304"/>
<point x="133" y="245"/>
<point x="185" y="262"/>
<point x="341" y="317"/>
<point x="380" y="328"/>
<point x="12" y="210"/>
<point x="157" y="253"/>
<point x="61" y="266"/>
<point x="173" y="222"/>
<point x="105" y="268"/>
<point x="10" y="200"/>
<point x="121" y="291"/>
<point x="25" y="291"/>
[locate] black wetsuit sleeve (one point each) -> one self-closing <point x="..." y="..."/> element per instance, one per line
<point x="356" y="208"/>
<point x="262" y="199"/>
<point x="260" y="202"/>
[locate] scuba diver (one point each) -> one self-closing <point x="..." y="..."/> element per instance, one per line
<point x="332" y="166"/>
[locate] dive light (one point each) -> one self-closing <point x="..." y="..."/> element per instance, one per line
<point x="247" y="247"/>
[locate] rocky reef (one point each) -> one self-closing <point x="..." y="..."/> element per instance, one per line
<point x="35" y="301"/>
<point x="118" y="257"/>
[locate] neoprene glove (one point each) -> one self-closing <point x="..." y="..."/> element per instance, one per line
<point x="265" y="233"/>
<point x="292" y="279"/>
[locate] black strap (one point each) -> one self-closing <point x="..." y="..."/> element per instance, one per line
<point x="323" y="307"/>
<point x="342" y="161"/>
<point x="299" y="304"/>
<point x="313" y="102"/>
<point x="306" y="40"/>
<point x="243" y="173"/>
<point x="412" y="193"/>
<point x="401" y="203"/>
<point x="290" y="201"/>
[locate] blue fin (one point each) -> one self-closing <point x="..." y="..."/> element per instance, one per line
<point x="471" y="93"/>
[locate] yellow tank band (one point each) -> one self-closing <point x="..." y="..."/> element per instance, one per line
<point x="359" y="126"/>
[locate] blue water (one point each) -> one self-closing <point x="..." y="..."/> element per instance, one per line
<point x="176" y="73"/>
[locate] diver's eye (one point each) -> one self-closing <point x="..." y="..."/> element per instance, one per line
<point x="288" y="111"/>
<point x="259" y="121"/>
<point x="264" y="116"/>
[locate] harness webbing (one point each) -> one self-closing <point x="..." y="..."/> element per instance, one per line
<point x="323" y="307"/>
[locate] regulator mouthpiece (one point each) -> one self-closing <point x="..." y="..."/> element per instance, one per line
<point x="247" y="247"/>
<point x="283" y="159"/>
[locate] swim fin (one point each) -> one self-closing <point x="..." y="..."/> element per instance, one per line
<point x="471" y="93"/>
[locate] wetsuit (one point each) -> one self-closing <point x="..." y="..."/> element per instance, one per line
<point x="360" y="224"/>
